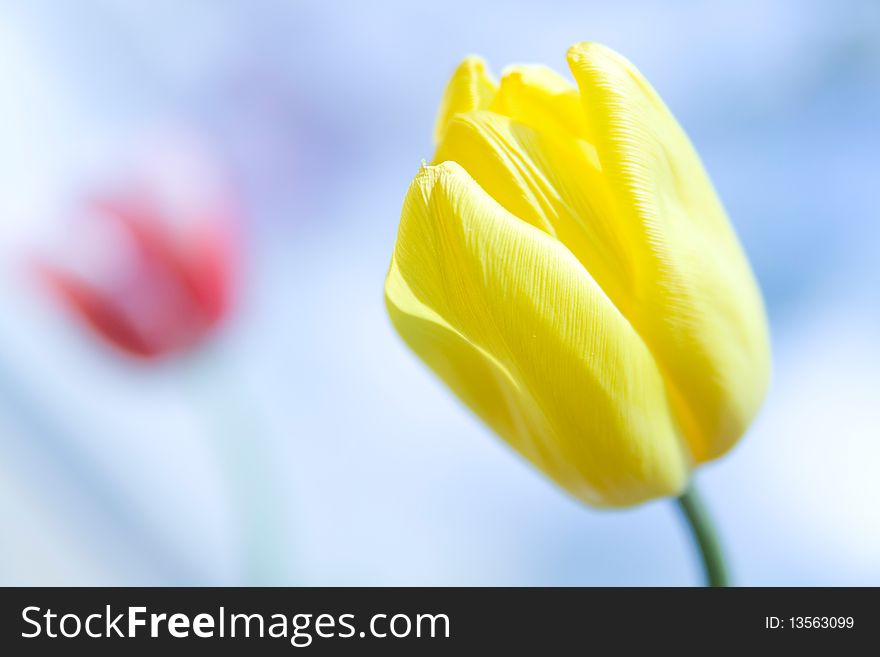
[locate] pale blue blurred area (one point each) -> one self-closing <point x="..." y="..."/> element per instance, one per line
<point x="113" y="473"/>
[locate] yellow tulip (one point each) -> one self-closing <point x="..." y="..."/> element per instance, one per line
<point x="566" y="267"/>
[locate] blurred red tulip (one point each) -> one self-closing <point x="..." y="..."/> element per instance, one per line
<point x="171" y="282"/>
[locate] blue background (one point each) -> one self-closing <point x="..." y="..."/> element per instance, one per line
<point x="305" y="438"/>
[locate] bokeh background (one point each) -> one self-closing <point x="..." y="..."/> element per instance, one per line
<point x="302" y="444"/>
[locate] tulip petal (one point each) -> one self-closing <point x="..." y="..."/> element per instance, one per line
<point x="99" y="311"/>
<point x="520" y="331"/>
<point x="470" y="88"/>
<point x="549" y="180"/>
<point x="699" y="309"/>
<point x="541" y="98"/>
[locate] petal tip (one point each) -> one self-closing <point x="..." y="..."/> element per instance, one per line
<point x="473" y="64"/>
<point x="433" y="172"/>
<point x="585" y="50"/>
<point x="430" y="177"/>
<point x="471" y="87"/>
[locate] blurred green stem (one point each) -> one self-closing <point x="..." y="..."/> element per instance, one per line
<point x="705" y="537"/>
<point x="237" y="434"/>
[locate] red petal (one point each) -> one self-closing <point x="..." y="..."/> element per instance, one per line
<point x="99" y="312"/>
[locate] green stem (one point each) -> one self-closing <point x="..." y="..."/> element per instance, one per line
<point x="242" y="451"/>
<point x="704" y="535"/>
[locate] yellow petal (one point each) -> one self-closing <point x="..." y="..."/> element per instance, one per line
<point x="470" y="88"/>
<point x="549" y="180"/>
<point x="541" y="98"/>
<point x="513" y="323"/>
<point x="699" y="309"/>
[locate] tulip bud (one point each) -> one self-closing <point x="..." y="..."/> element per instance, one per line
<point x="168" y="286"/>
<point x="567" y="269"/>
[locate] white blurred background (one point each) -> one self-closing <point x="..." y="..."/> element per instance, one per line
<point x="305" y="438"/>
